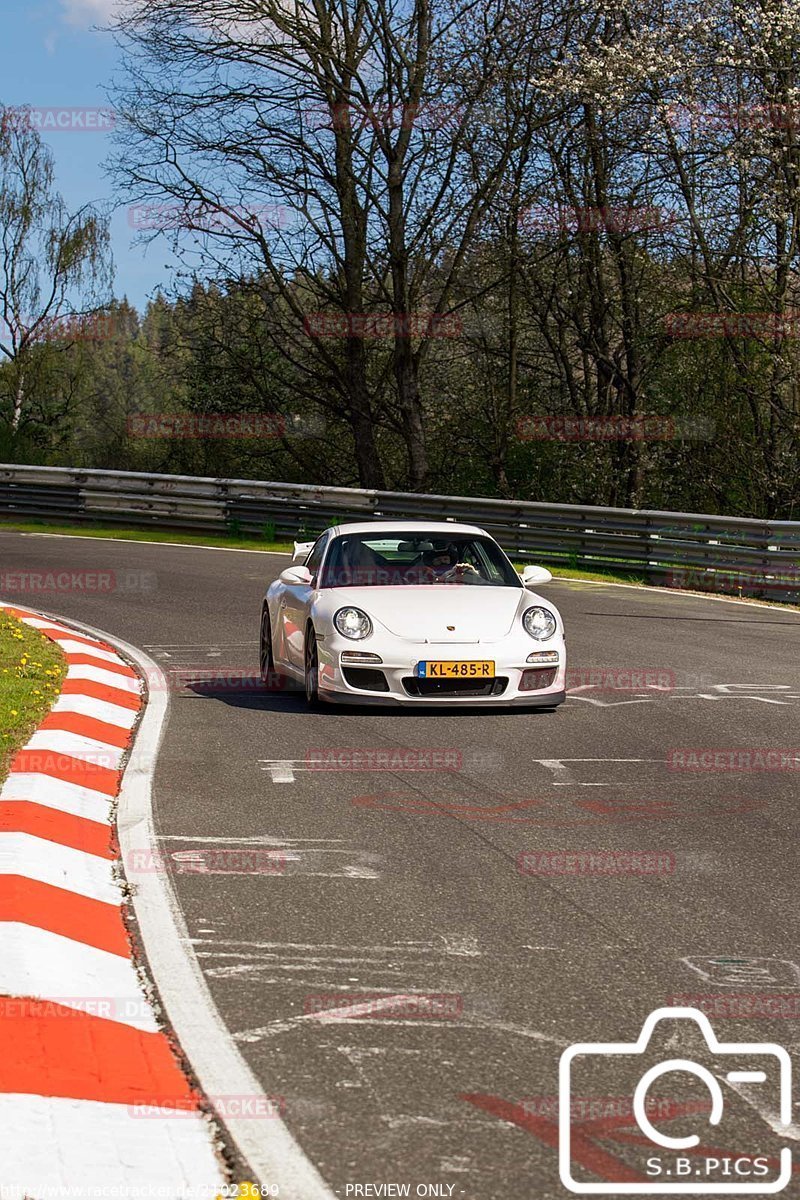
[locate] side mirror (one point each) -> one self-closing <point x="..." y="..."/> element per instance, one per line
<point x="296" y="575"/>
<point x="302" y="550"/>
<point x="531" y="576"/>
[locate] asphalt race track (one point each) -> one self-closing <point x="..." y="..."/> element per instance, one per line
<point x="396" y="881"/>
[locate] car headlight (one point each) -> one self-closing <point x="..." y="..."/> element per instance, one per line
<point x="353" y="623"/>
<point x="539" y="623"/>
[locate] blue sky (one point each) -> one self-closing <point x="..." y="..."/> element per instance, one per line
<point x="52" y="57"/>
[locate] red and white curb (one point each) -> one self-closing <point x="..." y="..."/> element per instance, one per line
<point x="93" y="1101"/>
<point x="69" y="1122"/>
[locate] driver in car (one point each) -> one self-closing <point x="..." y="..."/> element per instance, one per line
<point x="443" y="562"/>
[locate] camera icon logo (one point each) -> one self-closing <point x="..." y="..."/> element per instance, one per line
<point x="740" y="1065"/>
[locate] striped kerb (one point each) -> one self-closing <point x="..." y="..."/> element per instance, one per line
<point x="93" y="1100"/>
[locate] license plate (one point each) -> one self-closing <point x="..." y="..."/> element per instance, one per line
<point x="455" y="670"/>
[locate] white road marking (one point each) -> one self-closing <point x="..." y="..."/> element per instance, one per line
<point x="349" y="1012"/>
<point x="250" y="841"/>
<point x="768" y="1115"/>
<point x="196" y="645"/>
<point x="85" y="537"/>
<point x="555" y="762"/>
<point x="393" y="949"/>
<point x="357" y="1014"/>
<point x="281" y="772"/>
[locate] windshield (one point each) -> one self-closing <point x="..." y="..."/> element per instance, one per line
<point x="394" y="559"/>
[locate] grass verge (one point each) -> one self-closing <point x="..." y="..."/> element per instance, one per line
<point x="32" y="669"/>
<point x="227" y="542"/>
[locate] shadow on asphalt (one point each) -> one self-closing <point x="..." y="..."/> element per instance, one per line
<point x="268" y="700"/>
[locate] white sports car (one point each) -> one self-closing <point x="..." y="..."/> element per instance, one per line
<point x="395" y="612"/>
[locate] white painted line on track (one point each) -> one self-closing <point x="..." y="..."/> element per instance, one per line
<point x="281" y="771"/>
<point x="773" y="606"/>
<point x="271" y="1152"/>
<point x="86" y="537"/>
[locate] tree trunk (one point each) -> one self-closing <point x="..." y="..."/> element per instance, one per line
<point x="19" y="400"/>
<point x="404" y="364"/>
<point x="370" y="469"/>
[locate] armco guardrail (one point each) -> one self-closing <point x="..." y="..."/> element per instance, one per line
<point x="727" y="554"/>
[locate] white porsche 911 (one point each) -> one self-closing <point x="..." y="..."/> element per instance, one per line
<point x="395" y="612"/>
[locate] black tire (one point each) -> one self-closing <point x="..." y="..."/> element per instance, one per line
<point x="311" y="663"/>
<point x="266" y="660"/>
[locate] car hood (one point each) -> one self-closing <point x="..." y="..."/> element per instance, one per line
<point x="422" y="614"/>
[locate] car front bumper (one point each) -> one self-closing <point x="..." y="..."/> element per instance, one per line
<point x="397" y="668"/>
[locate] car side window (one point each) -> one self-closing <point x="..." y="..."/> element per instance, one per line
<point x="314" y="560"/>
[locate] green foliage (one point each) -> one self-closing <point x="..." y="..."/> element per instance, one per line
<point x="32" y="669"/>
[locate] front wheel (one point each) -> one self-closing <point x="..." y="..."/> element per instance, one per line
<point x="311" y="668"/>
<point x="266" y="659"/>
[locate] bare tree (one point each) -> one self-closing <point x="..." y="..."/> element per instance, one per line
<point x="54" y="265"/>
<point x="333" y="141"/>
